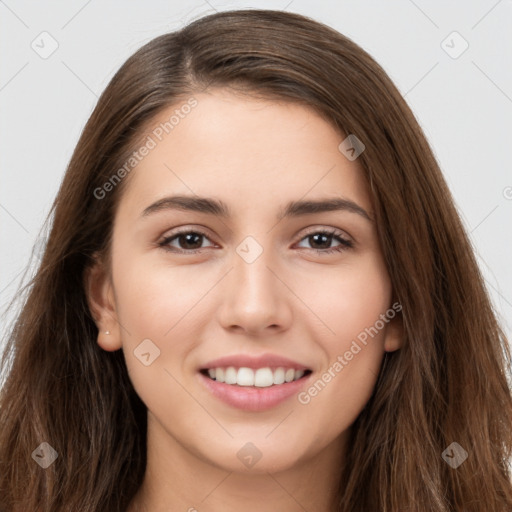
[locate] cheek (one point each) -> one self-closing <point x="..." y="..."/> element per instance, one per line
<point x="338" y="393"/>
<point x="348" y="300"/>
<point x="155" y="304"/>
<point x="154" y="300"/>
<point x="353" y="345"/>
<point x="165" y="304"/>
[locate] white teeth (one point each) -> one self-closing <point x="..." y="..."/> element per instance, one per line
<point x="279" y="376"/>
<point x="219" y="374"/>
<point x="245" y="377"/>
<point x="261" y="378"/>
<point x="230" y="375"/>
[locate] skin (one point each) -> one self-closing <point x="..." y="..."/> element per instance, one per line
<point x="293" y="301"/>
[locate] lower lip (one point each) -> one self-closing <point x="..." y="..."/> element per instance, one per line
<point x="251" y="398"/>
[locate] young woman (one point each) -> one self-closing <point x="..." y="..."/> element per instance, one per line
<point x="256" y="295"/>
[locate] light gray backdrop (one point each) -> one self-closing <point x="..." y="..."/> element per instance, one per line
<point x="450" y="59"/>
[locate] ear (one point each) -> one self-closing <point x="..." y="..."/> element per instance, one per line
<point x="394" y="337"/>
<point x="101" y="301"/>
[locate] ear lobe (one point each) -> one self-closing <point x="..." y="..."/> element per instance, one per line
<point x="100" y="299"/>
<point x="393" y="339"/>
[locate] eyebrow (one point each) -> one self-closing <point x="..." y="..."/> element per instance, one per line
<point x="220" y="209"/>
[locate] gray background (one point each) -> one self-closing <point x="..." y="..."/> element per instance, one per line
<point x="463" y="102"/>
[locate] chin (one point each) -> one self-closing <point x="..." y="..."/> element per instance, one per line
<point x="259" y="456"/>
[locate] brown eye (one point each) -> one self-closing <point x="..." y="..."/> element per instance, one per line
<point x="321" y="241"/>
<point x="187" y="241"/>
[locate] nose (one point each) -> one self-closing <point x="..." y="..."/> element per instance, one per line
<point x="255" y="300"/>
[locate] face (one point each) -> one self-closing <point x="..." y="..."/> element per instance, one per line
<point x="243" y="280"/>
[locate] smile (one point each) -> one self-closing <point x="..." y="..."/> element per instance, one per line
<point x="260" y="377"/>
<point x="253" y="383"/>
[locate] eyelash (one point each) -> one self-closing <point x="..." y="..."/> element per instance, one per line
<point x="345" y="244"/>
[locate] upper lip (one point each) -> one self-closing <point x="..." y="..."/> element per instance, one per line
<point x="261" y="361"/>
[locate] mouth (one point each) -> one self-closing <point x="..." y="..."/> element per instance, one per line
<point x="254" y="384"/>
<point x="255" y="377"/>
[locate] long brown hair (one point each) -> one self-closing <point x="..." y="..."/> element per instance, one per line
<point x="448" y="383"/>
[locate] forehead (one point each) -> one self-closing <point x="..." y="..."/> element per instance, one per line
<point x="244" y="150"/>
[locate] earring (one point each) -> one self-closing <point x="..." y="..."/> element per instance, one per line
<point x="107" y="332"/>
